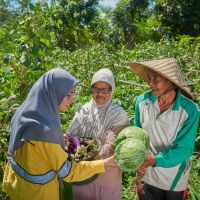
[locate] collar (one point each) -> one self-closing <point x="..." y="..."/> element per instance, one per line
<point x="152" y="97"/>
<point x="176" y="103"/>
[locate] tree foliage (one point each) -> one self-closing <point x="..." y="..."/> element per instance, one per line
<point x="181" y="16"/>
<point x="125" y="16"/>
<point x="6" y="13"/>
<point x="75" y="17"/>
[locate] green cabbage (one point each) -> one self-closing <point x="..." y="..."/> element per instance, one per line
<point x="130" y="154"/>
<point x="136" y="133"/>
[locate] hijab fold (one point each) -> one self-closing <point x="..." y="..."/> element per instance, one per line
<point x="38" y="118"/>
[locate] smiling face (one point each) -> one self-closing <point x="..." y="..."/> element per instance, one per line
<point x="67" y="100"/>
<point x="101" y="92"/>
<point x="158" y="84"/>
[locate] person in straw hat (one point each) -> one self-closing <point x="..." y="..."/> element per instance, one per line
<point x="171" y="118"/>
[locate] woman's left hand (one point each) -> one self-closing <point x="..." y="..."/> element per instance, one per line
<point x="150" y="161"/>
<point x="110" y="162"/>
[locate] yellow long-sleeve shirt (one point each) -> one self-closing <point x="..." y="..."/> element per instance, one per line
<point x="39" y="158"/>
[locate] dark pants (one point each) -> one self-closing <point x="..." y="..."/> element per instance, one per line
<point x="149" y="192"/>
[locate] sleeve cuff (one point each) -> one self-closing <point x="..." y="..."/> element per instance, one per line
<point x="159" y="160"/>
<point x="98" y="166"/>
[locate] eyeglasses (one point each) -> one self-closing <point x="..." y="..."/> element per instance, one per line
<point x="101" y="90"/>
<point x="70" y="95"/>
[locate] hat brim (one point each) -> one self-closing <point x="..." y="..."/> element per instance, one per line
<point x="142" y="71"/>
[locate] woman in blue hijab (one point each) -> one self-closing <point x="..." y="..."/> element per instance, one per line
<point x="36" y="156"/>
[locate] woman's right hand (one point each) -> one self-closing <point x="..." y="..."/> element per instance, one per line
<point x="110" y="162"/>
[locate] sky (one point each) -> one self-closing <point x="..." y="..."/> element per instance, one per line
<point x="109" y="3"/>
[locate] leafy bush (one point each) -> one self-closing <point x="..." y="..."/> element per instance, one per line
<point x="16" y="78"/>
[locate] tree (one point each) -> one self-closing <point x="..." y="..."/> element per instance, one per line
<point x="125" y="15"/>
<point x="74" y="17"/>
<point x="24" y="5"/>
<point x="101" y="26"/>
<point x="6" y="11"/>
<point x="182" y="16"/>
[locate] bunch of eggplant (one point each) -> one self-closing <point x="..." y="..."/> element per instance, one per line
<point x="81" y="148"/>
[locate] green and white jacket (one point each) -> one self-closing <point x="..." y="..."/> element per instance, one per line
<point x="172" y="136"/>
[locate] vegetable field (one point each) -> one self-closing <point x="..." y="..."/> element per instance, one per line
<point x="17" y="79"/>
<point x="47" y="37"/>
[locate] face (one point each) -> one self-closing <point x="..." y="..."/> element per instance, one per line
<point x="157" y="83"/>
<point x="101" y="92"/>
<point x="67" y="100"/>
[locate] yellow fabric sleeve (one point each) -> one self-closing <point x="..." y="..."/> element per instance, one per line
<point x="79" y="170"/>
<point x="85" y="169"/>
<point x="56" y="157"/>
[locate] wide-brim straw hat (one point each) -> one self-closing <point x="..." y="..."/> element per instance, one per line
<point x="168" y="68"/>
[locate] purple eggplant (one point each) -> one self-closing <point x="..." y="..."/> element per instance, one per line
<point x="73" y="144"/>
<point x="75" y="141"/>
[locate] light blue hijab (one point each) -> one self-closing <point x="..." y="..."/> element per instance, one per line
<point x="38" y="118"/>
